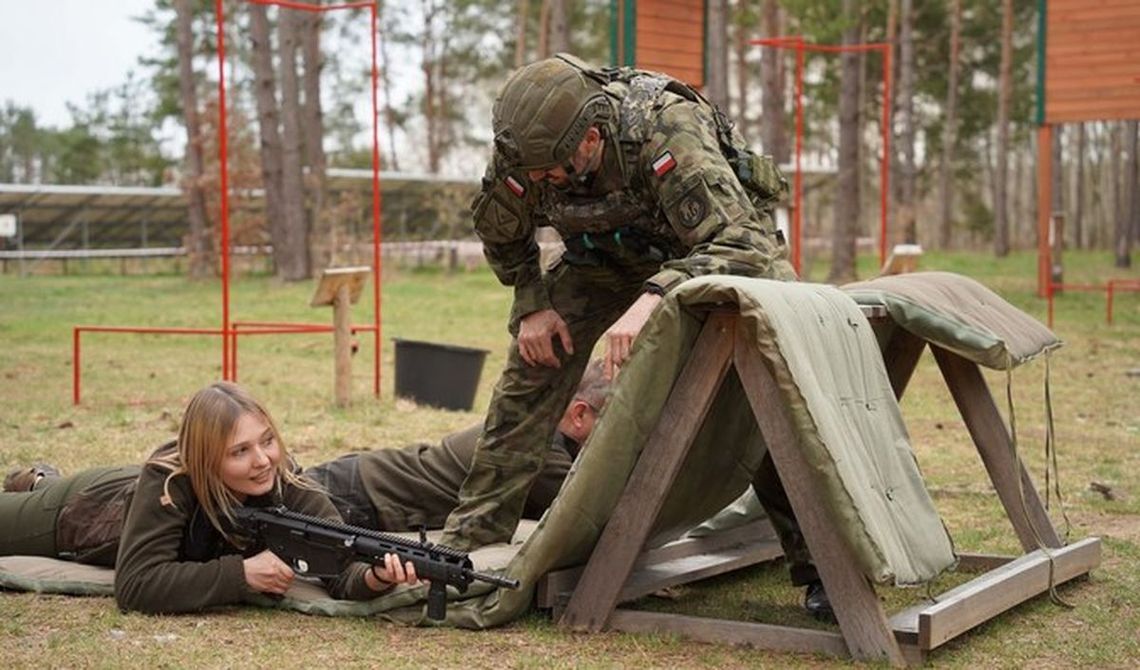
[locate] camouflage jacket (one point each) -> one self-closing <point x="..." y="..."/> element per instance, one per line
<point x="665" y="184"/>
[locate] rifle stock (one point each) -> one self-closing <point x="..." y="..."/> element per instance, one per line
<point x="318" y="547"/>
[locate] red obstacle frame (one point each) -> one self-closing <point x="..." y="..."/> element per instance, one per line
<point x="797" y="42"/>
<point x="229" y="331"/>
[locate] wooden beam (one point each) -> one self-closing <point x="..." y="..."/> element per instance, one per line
<point x="684" y="412"/>
<point x="968" y="562"/>
<point x="723" y="631"/>
<point x="1019" y="497"/>
<point x="981" y="599"/>
<point x="757" y="537"/>
<point x="901" y="358"/>
<point x="861" y="618"/>
<point x="685" y="569"/>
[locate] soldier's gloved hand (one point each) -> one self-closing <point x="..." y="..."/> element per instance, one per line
<point x="536" y="338"/>
<point x="619" y="338"/>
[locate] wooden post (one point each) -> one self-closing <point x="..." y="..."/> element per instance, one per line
<point x="1012" y="482"/>
<point x="342" y="345"/>
<point x="861" y="618"/>
<point x="341" y="287"/>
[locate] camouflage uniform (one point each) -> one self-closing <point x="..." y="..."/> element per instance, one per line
<point x="666" y="204"/>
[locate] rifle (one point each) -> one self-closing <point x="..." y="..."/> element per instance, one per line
<point x="318" y="547"/>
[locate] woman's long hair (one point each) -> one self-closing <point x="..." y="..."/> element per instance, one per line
<point x="207" y="428"/>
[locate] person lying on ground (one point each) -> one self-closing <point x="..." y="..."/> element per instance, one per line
<point x="177" y="549"/>
<point x="417" y="486"/>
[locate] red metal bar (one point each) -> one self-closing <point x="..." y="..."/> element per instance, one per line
<point x="75" y="366"/>
<point x="1044" y="207"/>
<point x="76" y="376"/>
<point x="304" y="7"/>
<point x="797" y="42"/>
<point x="1108" y="303"/>
<point x="223" y="141"/>
<point x="228" y="330"/>
<point x="377" y="227"/>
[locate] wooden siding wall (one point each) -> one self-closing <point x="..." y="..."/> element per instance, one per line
<point x="1092" y="60"/>
<point x="670" y="38"/>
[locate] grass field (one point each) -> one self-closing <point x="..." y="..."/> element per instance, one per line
<point x="134" y="387"/>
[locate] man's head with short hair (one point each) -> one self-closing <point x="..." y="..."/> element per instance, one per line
<point x="593" y="391"/>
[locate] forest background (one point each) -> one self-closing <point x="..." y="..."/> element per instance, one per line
<point x="962" y="163"/>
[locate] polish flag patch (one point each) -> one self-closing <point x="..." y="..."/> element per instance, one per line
<point x="517" y="188"/>
<point x="663" y="164"/>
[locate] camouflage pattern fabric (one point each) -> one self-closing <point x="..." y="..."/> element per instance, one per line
<point x="664" y="206"/>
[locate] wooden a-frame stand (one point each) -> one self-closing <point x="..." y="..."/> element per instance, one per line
<point x="620" y="571"/>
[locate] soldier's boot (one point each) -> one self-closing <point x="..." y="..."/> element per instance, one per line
<point x="22" y="480"/>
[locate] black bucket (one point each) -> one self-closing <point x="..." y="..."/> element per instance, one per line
<point x="440" y="375"/>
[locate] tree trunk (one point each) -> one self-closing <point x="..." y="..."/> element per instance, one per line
<point x="906" y="216"/>
<point x="774" y="133"/>
<point x="268" y="123"/>
<point x="740" y="51"/>
<point x="198" y="240"/>
<point x="294" y="264"/>
<point x="429" y="66"/>
<point x="950" y="130"/>
<point x="313" y="119"/>
<point x="520" y="33"/>
<point x="559" y="27"/>
<point x="544" y="29"/>
<point x="1126" y="224"/>
<point x="716" y="53"/>
<point x="1005" y="87"/>
<point x="1079" y="190"/>
<point x="389" y="109"/>
<point x="846" y="222"/>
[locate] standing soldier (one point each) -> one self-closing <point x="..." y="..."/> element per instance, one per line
<point x="648" y="185"/>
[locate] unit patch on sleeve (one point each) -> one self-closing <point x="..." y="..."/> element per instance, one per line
<point x="693" y="208"/>
<point x="516" y="187"/>
<point x="663" y="164"/>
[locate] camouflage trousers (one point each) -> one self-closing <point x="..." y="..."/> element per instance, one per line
<point x="528" y="401"/>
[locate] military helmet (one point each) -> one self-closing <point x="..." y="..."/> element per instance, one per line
<point x="543" y="111"/>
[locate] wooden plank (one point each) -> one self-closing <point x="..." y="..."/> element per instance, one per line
<point x="553" y="584"/>
<point x="976" y="405"/>
<point x="901" y="357"/>
<point x="1107" y="92"/>
<point x="756" y="531"/>
<point x="980" y="600"/>
<point x="861" y="618"/>
<point x="968" y="562"/>
<point x="684" y="412"/>
<point x="676" y="26"/>
<point x="761" y="636"/>
<point x="686" y="569"/>
<point x="1115" y="30"/>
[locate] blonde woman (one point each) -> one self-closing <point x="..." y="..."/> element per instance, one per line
<point x="177" y="547"/>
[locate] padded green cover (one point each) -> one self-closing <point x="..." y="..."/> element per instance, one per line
<point x="958" y="313"/>
<point x="50" y="575"/>
<point x="830" y="371"/>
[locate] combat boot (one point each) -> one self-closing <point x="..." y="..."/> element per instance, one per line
<point x="22" y="480"/>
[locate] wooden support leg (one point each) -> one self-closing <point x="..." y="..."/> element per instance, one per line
<point x="861" y="618"/>
<point x="342" y="345"/>
<point x="901" y="357"/>
<point x="612" y="560"/>
<point x="991" y="437"/>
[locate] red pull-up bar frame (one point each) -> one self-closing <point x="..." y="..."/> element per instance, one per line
<point x="797" y="42"/>
<point x="228" y="331"/>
